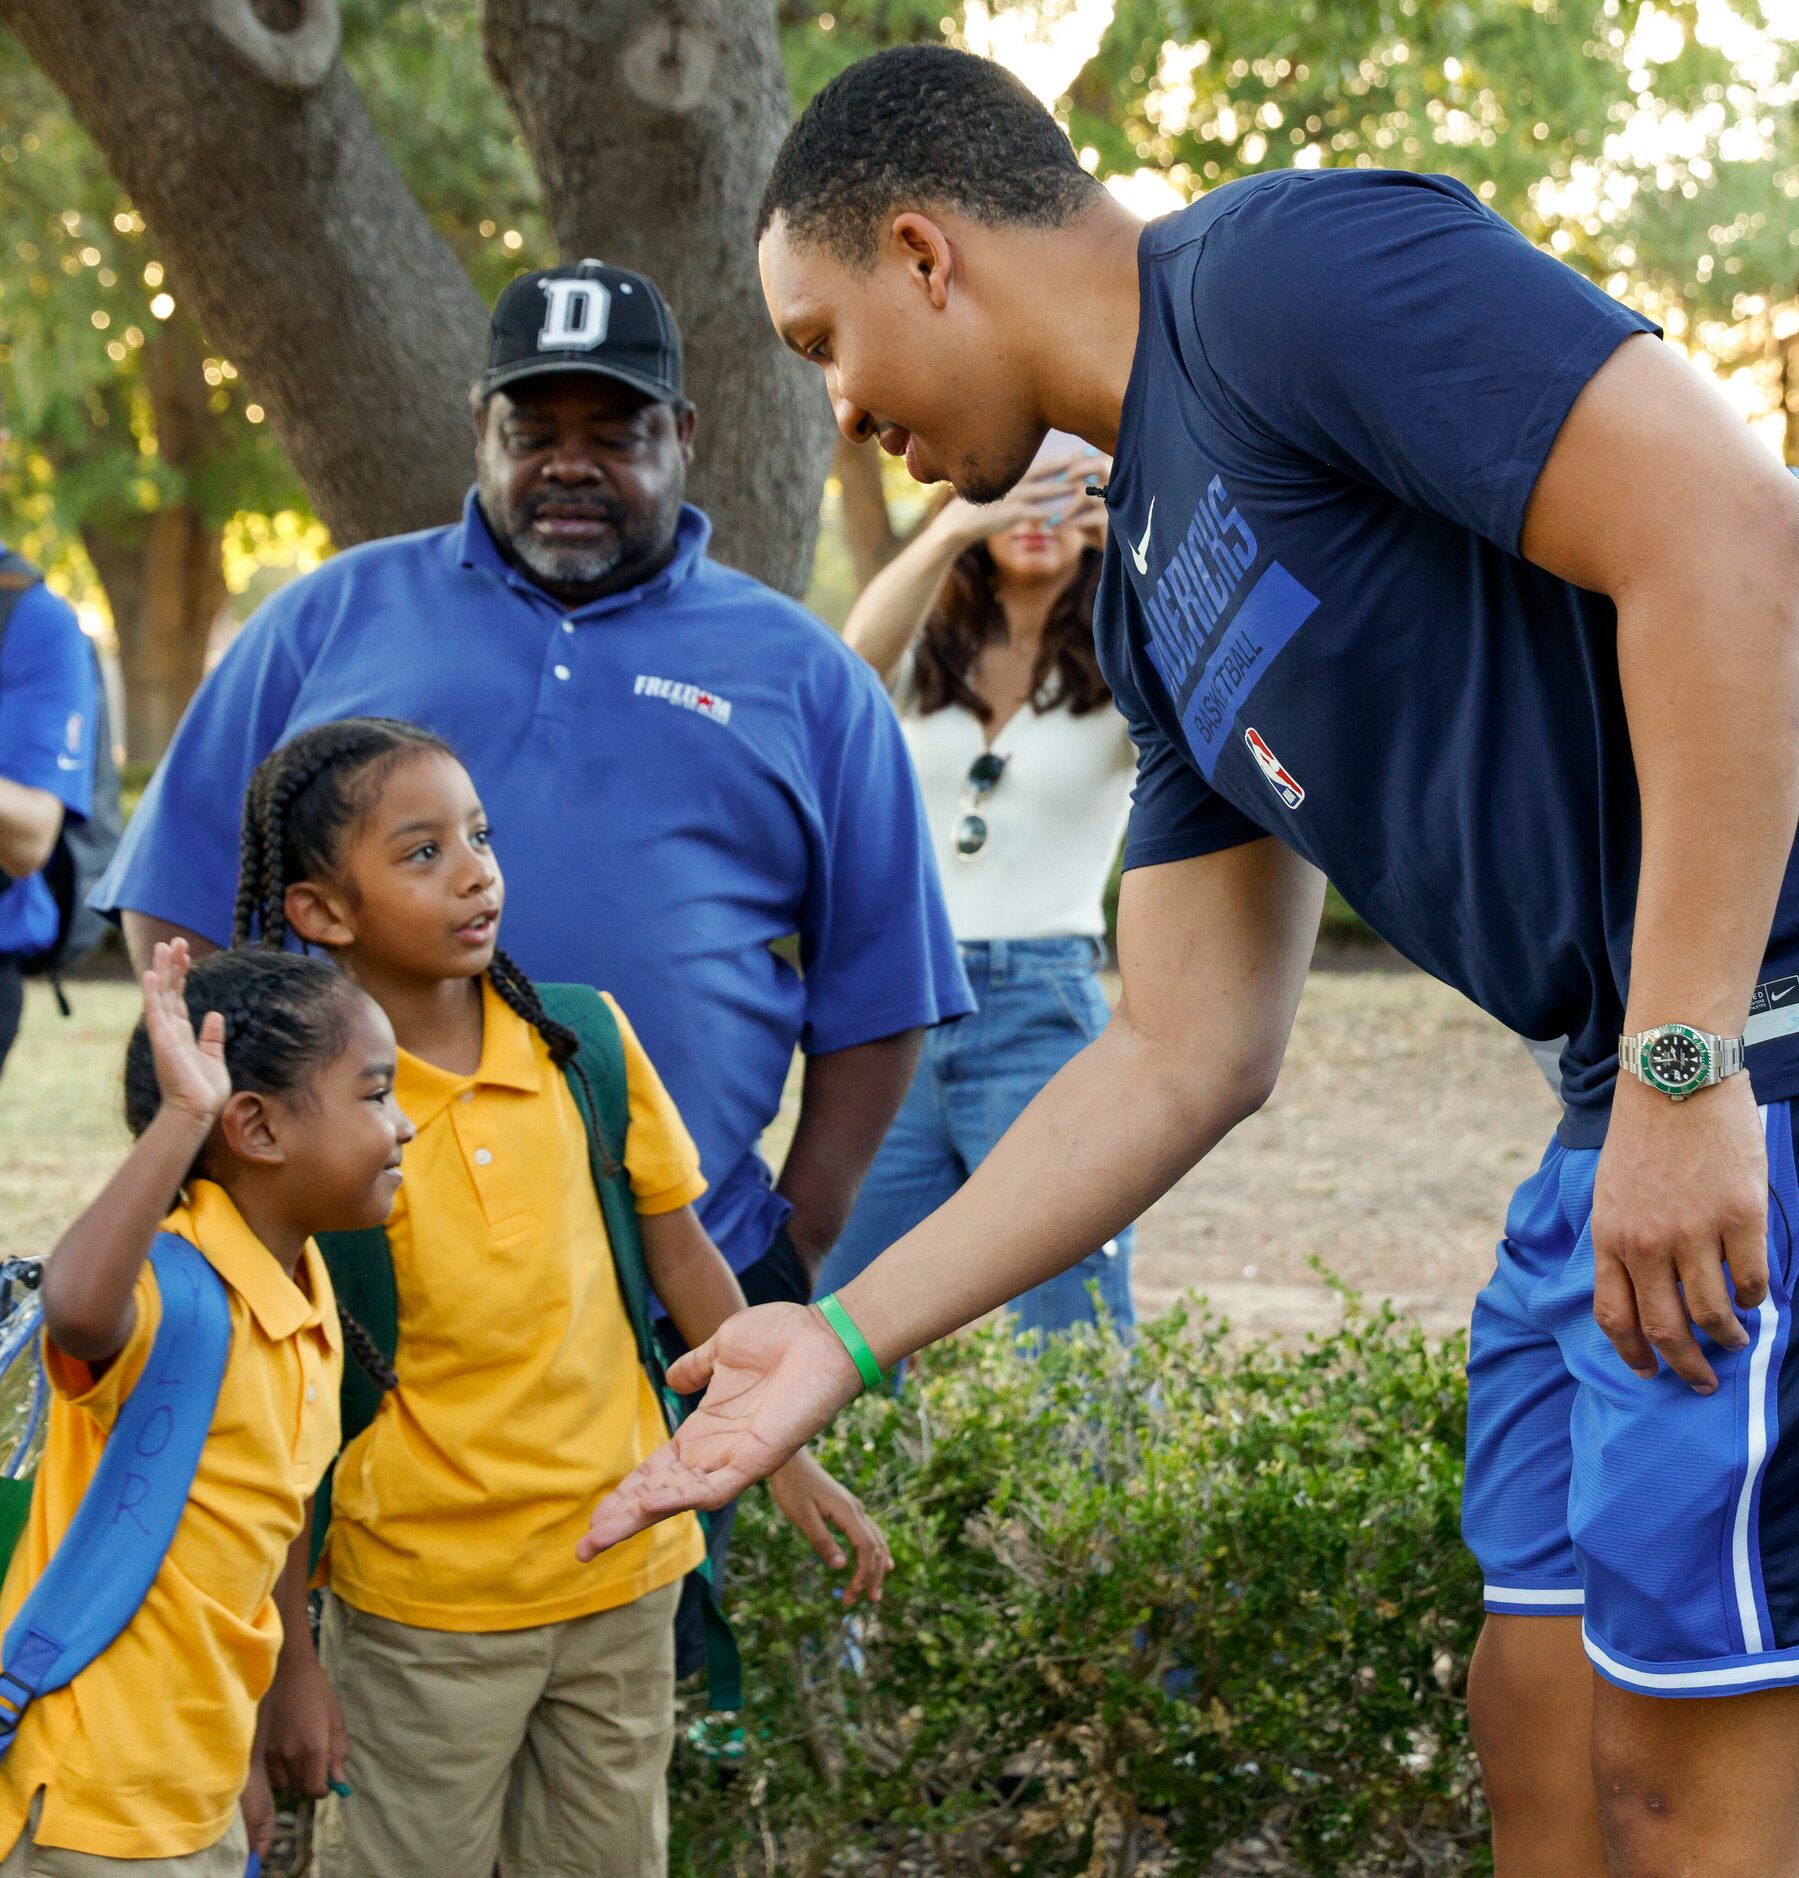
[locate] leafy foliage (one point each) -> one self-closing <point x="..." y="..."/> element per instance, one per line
<point x="1147" y="1601"/>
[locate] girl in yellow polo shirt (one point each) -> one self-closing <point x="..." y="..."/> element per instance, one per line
<point x="500" y="1700"/>
<point x="261" y="1087"/>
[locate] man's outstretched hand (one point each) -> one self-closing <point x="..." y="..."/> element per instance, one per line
<point x="774" y="1376"/>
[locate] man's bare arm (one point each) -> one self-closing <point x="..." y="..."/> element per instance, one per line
<point x="847" y="1103"/>
<point x="30" y="821"/>
<point x="1657" y="495"/>
<point x="1214" y="954"/>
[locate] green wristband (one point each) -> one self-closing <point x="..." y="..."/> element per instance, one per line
<point x="852" y="1340"/>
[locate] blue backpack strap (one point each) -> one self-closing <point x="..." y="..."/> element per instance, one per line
<point x="122" y="1530"/>
<point x="602" y="1059"/>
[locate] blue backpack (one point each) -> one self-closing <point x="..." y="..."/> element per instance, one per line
<point x="102" y="1571"/>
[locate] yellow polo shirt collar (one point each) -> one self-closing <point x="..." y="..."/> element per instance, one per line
<point x="510" y="1059"/>
<point x="209" y="1219"/>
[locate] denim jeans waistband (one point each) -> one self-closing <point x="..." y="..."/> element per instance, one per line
<point x="999" y="959"/>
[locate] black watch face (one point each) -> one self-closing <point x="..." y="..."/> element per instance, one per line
<point x="1676" y="1060"/>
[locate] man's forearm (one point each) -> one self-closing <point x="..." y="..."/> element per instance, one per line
<point x="1106" y="1137"/>
<point x="1710" y="674"/>
<point x="30" y="821"/>
<point x="1213" y="954"/>
<point x="847" y="1104"/>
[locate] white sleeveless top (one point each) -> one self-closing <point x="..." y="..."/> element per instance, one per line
<point x="1054" y="819"/>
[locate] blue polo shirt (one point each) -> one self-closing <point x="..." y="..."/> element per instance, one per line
<point x="679" y="776"/>
<point x="48" y="710"/>
<point x="1315" y="615"/>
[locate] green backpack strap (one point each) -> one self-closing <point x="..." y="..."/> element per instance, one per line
<point x="607" y="1117"/>
<point x="361" y="1265"/>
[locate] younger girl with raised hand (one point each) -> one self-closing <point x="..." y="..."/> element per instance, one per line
<point x="260" y="1090"/>
<point x="502" y="1699"/>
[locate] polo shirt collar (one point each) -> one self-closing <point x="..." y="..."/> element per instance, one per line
<point x="509" y="1060"/>
<point x="478" y="550"/>
<point x="207" y="1217"/>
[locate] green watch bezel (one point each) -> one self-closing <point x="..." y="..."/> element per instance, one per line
<point x="1698" y="1080"/>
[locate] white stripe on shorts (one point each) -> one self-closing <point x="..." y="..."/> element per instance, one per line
<point x="1727" y="1676"/>
<point x="1767" y="1329"/>
<point x="1561" y="1600"/>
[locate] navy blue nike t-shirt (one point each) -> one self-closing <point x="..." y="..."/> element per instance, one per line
<point x="1316" y="618"/>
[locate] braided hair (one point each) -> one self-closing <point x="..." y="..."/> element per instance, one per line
<point x="303" y="800"/>
<point x="286" y="1017"/>
<point x="519" y="995"/>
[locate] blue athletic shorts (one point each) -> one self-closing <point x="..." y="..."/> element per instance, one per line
<point x="1667" y="1521"/>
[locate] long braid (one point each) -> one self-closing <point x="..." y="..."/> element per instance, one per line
<point x="252" y="867"/>
<point x="367" y="1352"/>
<point x="519" y="995"/>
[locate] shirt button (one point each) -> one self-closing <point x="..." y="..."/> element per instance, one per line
<point x="561" y="671"/>
<point x="568" y="625"/>
<point x="312" y="1394"/>
<point x="468" y="1095"/>
<point x="483" y="1156"/>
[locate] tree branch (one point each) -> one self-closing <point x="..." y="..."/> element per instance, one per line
<point x="295" y="58"/>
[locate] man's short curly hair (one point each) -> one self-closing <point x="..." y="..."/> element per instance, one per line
<point x="921" y="127"/>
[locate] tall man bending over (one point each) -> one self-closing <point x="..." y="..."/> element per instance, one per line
<point x="1431" y="569"/>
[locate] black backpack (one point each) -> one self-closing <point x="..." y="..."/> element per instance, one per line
<point x="84" y="849"/>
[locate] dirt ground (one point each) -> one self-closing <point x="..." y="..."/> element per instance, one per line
<point x="1403" y="1120"/>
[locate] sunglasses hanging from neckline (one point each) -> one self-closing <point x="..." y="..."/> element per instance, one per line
<point x="982" y="779"/>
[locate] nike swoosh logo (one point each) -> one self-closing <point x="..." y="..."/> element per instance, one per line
<point x="67" y="762"/>
<point x="1140" y="549"/>
<point x="1778" y="994"/>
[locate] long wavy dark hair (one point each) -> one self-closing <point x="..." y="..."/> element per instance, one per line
<point x="968" y="617"/>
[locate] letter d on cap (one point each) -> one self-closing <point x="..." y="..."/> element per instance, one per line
<point x="574" y="316"/>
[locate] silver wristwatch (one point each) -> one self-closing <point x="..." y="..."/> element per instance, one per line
<point x="1679" y="1060"/>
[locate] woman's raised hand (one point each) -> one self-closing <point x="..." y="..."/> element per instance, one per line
<point x="1048" y="495"/>
<point x="190" y="1070"/>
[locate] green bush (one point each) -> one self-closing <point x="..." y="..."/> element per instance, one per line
<point x="1146" y="1602"/>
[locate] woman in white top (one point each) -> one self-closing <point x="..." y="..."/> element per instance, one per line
<point x="982" y="627"/>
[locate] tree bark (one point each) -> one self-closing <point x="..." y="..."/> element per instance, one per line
<point x="652" y="125"/>
<point x="165" y="583"/>
<point x="310" y="265"/>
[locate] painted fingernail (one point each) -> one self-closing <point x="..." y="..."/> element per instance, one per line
<point x="341" y="1788"/>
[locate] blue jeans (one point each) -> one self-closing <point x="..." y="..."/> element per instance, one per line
<point x="1038" y="1004"/>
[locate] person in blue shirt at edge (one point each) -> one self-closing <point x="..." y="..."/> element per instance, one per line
<point x="47" y="717"/>
<point x="686" y="768"/>
<point x="1430" y="570"/>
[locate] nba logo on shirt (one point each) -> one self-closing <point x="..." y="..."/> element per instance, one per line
<point x="1280" y="779"/>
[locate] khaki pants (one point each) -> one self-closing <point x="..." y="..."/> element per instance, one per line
<point x="546" y="1749"/>
<point x="226" y="1859"/>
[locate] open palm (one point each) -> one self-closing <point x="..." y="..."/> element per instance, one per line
<point x="775" y="1375"/>
<point x="190" y="1069"/>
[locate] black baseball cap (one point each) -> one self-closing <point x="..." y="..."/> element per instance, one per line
<point x="585" y="318"/>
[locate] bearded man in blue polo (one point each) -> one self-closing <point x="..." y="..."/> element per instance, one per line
<point x="692" y="781"/>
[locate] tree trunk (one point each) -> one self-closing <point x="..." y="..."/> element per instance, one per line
<point x="867" y="527"/>
<point x="652" y="125"/>
<point x="248" y="149"/>
<point x="164" y="583"/>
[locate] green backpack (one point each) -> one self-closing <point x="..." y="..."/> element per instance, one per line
<point x="362" y="1271"/>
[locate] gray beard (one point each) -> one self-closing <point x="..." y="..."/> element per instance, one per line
<point x="566" y="567"/>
